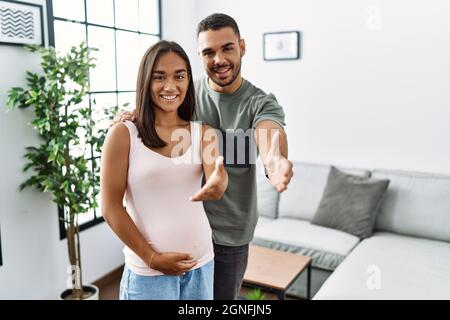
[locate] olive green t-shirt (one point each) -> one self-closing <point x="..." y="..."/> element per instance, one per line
<point x="233" y="218"/>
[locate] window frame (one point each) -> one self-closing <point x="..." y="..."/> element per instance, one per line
<point x="51" y="41"/>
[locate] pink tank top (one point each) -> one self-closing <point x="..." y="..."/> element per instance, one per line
<point x="157" y="200"/>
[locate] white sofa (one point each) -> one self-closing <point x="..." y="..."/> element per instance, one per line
<point x="407" y="257"/>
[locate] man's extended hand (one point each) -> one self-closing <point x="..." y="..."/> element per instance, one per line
<point x="123" y="116"/>
<point x="216" y="184"/>
<point x="278" y="168"/>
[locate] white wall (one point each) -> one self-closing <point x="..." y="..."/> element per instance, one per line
<point x="179" y="22"/>
<point x="369" y="91"/>
<point x="34" y="259"/>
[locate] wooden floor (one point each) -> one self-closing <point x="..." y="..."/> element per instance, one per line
<point x="109" y="287"/>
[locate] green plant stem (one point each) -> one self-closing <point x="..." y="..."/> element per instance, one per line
<point x="74" y="250"/>
<point x="79" y="256"/>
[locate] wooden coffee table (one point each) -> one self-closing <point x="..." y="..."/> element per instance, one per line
<point x="275" y="270"/>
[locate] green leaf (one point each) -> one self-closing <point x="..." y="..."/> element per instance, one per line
<point x="48" y="185"/>
<point x="256" y="294"/>
<point x="60" y="159"/>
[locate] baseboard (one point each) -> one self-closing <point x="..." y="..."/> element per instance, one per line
<point x="112" y="276"/>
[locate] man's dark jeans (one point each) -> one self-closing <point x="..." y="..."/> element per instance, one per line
<point x="229" y="269"/>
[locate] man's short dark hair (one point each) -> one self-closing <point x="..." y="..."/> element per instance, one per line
<point x="218" y="21"/>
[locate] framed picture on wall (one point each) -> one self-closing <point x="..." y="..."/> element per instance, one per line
<point x="21" y="23"/>
<point x="284" y="45"/>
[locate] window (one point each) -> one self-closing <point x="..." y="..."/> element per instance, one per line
<point x="122" y="30"/>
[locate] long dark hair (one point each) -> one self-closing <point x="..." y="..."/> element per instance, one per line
<point x="145" y="113"/>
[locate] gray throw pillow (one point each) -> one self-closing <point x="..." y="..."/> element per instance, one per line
<point x="350" y="203"/>
<point x="267" y="196"/>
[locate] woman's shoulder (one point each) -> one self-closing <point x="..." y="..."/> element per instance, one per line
<point x="127" y="126"/>
<point x="119" y="128"/>
<point x="119" y="133"/>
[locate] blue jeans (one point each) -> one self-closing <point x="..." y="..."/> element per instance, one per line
<point x="196" y="284"/>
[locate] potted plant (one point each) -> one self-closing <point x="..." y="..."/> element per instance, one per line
<point x="255" y="294"/>
<point x="60" y="164"/>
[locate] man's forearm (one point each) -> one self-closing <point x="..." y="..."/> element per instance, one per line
<point x="264" y="135"/>
<point x="273" y="146"/>
<point x="283" y="144"/>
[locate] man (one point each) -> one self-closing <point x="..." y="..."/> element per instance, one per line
<point x="233" y="105"/>
<point x="227" y="101"/>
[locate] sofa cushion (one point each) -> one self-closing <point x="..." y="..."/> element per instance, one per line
<point x="350" y="203"/>
<point x="267" y="196"/>
<point x="391" y="266"/>
<point x="304" y="192"/>
<point x="327" y="247"/>
<point x="415" y="204"/>
<point x="262" y="220"/>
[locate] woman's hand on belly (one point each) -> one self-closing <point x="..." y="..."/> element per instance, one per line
<point x="173" y="263"/>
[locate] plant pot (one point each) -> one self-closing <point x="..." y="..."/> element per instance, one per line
<point x="90" y="292"/>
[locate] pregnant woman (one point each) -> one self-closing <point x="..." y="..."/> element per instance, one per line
<point x="168" y="245"/>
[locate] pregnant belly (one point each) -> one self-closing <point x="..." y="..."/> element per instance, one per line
<point x="193" y="238"/>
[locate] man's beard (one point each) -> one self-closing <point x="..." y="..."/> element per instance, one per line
<point x="233" y="77"/>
